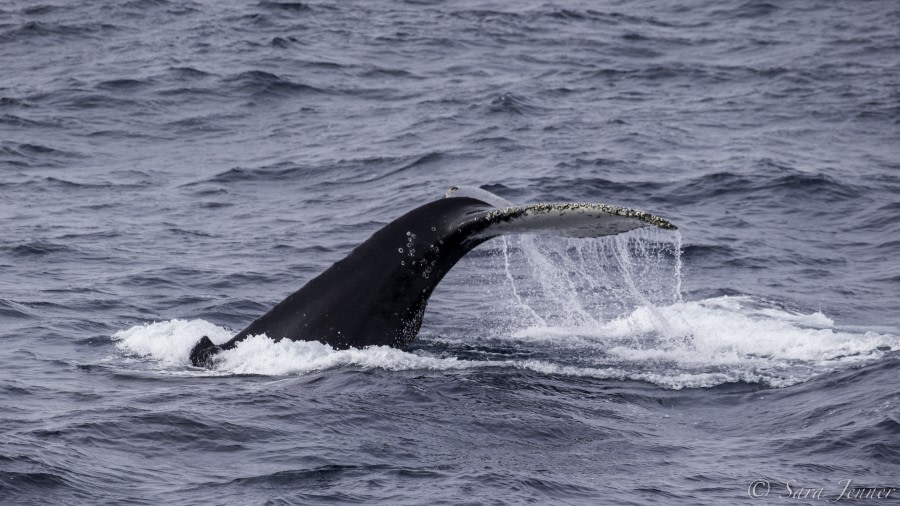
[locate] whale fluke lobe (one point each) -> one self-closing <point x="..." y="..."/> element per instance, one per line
<point x="378" y="293"/>
<point x="203" y="352"/>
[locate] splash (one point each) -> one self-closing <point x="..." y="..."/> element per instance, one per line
<point x="512" y="283"/>
<point x="735" y="339"/>
<point x="577" y="282"/>
<point x="731" y="339"/>
<point x="615" y="304"/>
<point x="607" y="309"/>
<point x="679" y="267"/>
<point x="169" y="344"/>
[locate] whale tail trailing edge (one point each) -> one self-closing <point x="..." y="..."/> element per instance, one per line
<point x="378" y="293"/>
<point x="564" y="220"/>
<point x="567" y="220"/>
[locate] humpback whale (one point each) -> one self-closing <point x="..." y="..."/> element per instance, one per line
<point x="378" y="293"/>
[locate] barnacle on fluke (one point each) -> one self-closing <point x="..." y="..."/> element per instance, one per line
<point x="505" y="212"/>
<point x="509" y="213"/>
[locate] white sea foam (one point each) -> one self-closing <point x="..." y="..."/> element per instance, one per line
<point x="713" y="341"/>
<point x="669" y="379"/>
<point x="611" y="303"/>
<point x="709" y="342"/>
<point x="601" y="309"/>
<point x="169" y="342"/>
<point x="727" y="330"/>
<point x="261" y="355"/>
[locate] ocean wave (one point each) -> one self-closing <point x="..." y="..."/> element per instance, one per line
<point x="39" y="30"/>
<point x="774" y="181"/>
<point x="39" y="248"/>
<point x="36" y="155"/>
<point x="749" y="9"/>
<point x="346" y="171"/>
<point x="42" y="10"/>
<point x="13" y="482"/>
<point x="510" y="103"/>
<point x="258" y="83"/>
<point x="43" y="184"/>
<point x="125" y="84"/>
<point x="188" y="73"/>
<point x="718" y="252"/>
<point x="290" y="7"/>
<point x="146" y="4"/>
<point x="11" y="309"/>
<point x="274" y="172"/>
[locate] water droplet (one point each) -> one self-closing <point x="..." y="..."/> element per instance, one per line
<point x="433" y="229"/>
<point x="400" y="250"/>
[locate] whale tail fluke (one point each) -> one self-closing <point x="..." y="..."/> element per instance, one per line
<point x="568" y="219"/>
<point x="565" y="220"/>
<point x="201" y="355"/>
<point x="378" y="293"/>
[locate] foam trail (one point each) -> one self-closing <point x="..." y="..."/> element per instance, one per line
<point x="734" y="339"/>
<point x="261" y="355"/>
<point x="169" y="344"/>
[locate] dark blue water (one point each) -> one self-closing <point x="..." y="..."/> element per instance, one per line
<point x="172" y="169"/>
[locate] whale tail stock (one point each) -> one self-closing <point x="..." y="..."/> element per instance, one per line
<point x="378" y="293"/>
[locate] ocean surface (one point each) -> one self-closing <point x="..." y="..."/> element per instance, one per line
<point x="172" y="169"/>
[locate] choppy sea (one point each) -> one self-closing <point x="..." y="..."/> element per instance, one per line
<point x="171" y="169"/>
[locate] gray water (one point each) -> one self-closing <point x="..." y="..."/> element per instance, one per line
<point x="173" y="169"/>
